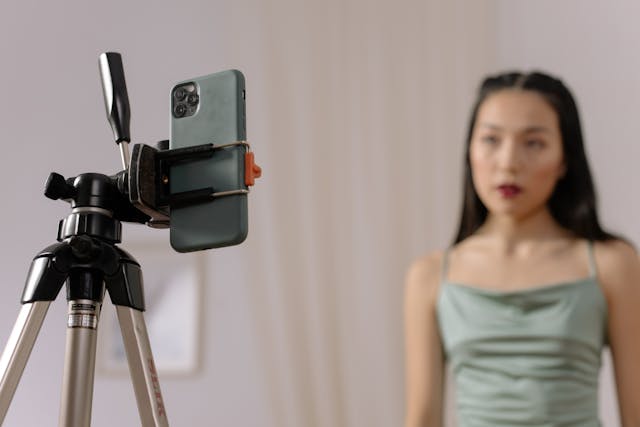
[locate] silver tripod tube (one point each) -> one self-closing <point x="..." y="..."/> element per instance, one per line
<point x="79" y="366"/>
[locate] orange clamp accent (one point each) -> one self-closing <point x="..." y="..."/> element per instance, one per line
<point x="251" y="170"/>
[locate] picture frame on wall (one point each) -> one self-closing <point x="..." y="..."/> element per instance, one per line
<point x="173" y="291"/>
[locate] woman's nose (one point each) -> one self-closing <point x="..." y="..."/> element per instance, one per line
<point x="509" y="157"/>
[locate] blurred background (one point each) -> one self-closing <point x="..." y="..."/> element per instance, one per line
<point x="357" y="111"/>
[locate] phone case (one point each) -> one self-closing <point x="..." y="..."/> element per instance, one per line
<point x="218" y="118"/>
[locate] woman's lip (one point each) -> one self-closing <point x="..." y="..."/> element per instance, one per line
<point x="509" y="190"/>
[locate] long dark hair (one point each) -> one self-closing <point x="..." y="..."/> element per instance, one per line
<point x="573" y="202"/>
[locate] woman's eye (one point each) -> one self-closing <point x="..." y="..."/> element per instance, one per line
<point x="490" y="139"/>
<point x="535" y="143"/>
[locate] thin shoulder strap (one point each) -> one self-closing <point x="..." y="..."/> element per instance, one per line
<point x="444" y="269"/>
<point x="592" y="259"/>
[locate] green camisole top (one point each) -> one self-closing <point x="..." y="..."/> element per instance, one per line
<point x="525" y="358"/>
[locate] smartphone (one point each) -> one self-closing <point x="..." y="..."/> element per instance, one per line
<point x="209" y="109"/>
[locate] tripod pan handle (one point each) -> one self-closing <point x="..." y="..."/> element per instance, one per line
<point x="116" y="99"/>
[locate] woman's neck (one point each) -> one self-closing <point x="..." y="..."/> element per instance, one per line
<point x="512" y="235"/>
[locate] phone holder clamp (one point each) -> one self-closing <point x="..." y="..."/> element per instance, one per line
<point x="149" y="176"/>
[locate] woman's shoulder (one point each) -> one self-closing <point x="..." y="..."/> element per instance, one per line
<point x="423" y="275"/>
<point x="618" y="264"/>
<point x="615" y="254"/>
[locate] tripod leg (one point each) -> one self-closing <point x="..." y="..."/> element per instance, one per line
<point x="18" y="348"/>
<point x="143" y="372"/>
<point x="79" y="364"/>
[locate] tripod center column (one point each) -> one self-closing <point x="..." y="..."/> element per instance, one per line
<point x="85" y="291"/>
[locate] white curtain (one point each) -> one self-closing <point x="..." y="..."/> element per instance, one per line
<point x="357" y="112"/>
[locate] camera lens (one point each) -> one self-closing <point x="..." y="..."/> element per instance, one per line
<point x="180" y="94"/>
<point x="180" y="110"/>
<point x="193" y="99"/>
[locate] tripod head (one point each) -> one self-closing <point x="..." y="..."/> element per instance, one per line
<point x="98" y="204"/>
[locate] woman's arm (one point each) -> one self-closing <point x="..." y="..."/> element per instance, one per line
<point x="619" y="271"/>
<point x="423" y="349"/>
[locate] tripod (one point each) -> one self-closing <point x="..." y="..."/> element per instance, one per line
<point x="87" y="259"/>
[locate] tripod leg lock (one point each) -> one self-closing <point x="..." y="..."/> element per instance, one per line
<point x="125" y="287"/>
<point x="44" y="281"/>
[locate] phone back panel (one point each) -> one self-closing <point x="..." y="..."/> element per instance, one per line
<point x="218" y="119"/>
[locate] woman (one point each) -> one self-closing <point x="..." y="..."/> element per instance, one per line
<point x="533" y="288"/>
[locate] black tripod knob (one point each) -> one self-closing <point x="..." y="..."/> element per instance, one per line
<point x="84" y="247"/>
<point x="57" y="188"/>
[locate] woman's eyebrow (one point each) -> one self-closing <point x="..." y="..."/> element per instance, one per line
<point x="528" y="129"/>
<point x="533" y="129"/>
<point x="490" y="126"/>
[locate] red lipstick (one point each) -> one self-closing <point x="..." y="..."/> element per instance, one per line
<point x="509" y="191"/>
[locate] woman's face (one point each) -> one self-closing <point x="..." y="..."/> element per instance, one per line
<point x="516" y="152"/>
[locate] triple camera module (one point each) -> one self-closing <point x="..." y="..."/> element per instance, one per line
<point x="185" y="100"/>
